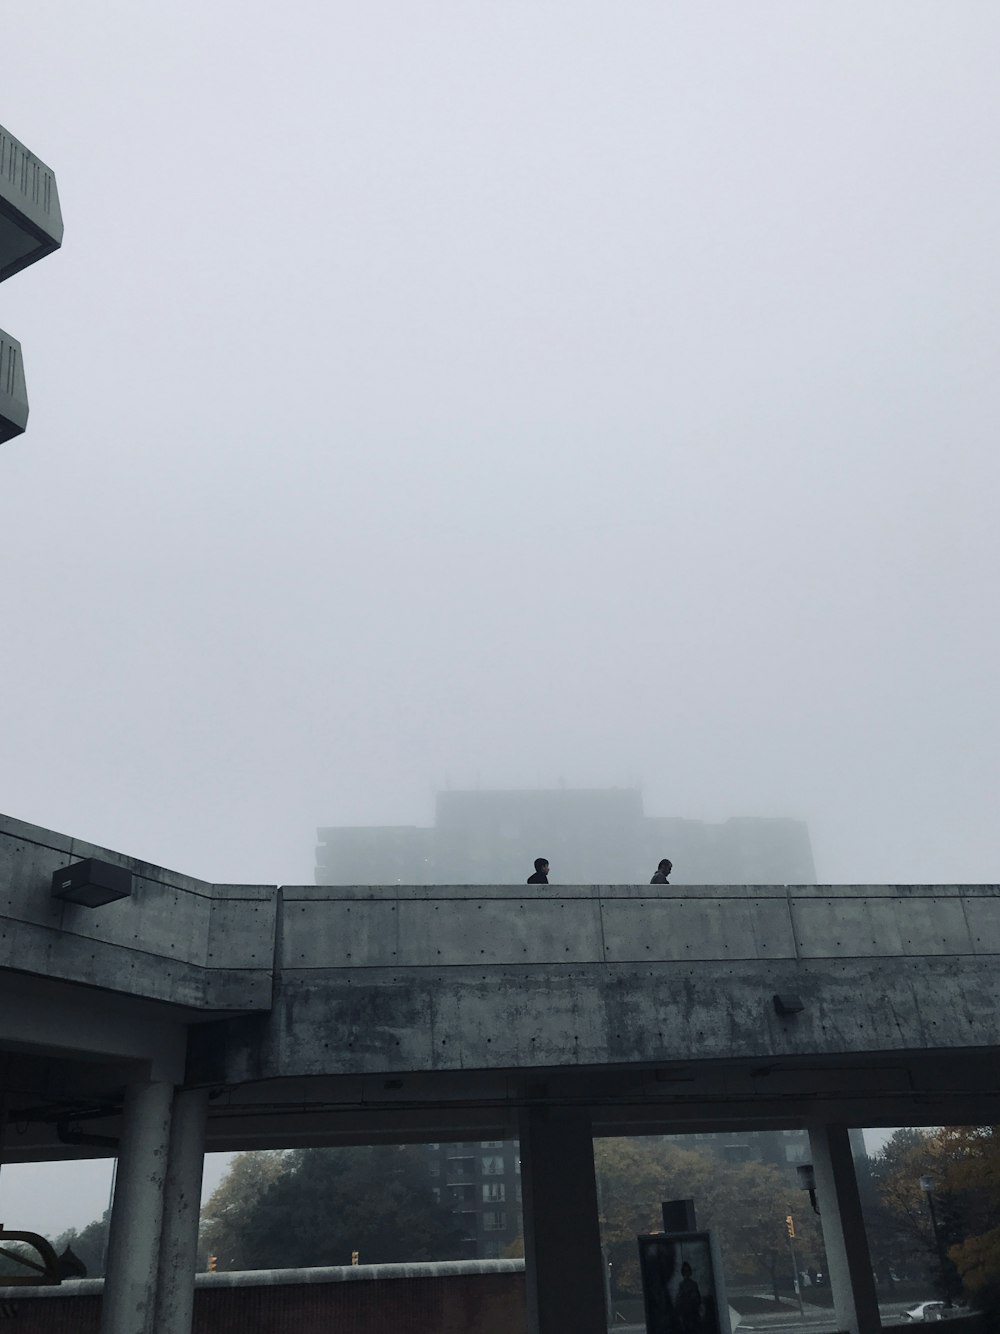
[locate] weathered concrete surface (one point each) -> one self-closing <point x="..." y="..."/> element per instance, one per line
<point x="400" y="979"/>
<point x="13" y="391"/>
<point x="137" y="1212"/>
<point x="31" y="224"/>
<point x="177" y="940"/>
<point x="324" y="1013"/>
<point x="178" y="1257"/>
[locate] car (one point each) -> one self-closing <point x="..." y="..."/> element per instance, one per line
<point x="927" y="1311"/>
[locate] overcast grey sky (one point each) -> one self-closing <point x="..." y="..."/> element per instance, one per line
<point x="506" y="394"/>
<point x="455" y="393"/>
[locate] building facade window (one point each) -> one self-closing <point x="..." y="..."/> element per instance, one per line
<point x="494" y="1220"/>
<point x="494" y="1192"/>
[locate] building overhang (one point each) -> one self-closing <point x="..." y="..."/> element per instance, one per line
<point x="13" y="391"/>
<point x="31" y="227"/>
<point x="31" y="224"/>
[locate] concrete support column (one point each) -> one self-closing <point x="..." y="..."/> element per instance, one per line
<point x="181" y="1211"/>
<point x="137" y="1211"/>
<point x="564" y="1267"/>
<point x="844" y="1236"/>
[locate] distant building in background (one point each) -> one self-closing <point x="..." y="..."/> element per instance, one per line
<point x="777" y="1148"/>
<point x="597" y="836"/>
<point x="591" y="836"/>
<point x="481" y="1184"/>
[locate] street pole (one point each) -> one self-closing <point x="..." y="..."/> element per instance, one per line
<point x="790" y="1226"/>
<point x="927" y="1186"/>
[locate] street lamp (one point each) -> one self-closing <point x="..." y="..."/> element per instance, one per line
<point x="927" y="1185"/>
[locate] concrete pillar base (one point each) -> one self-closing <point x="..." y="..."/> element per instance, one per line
<point x="181" y="1212"/>
<point x="137" y="1211"/>
<point x="564" y="1267"/>
<point x="844" y="1237"/>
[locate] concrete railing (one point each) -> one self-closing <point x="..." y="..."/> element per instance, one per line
<point x="175" y="939"/>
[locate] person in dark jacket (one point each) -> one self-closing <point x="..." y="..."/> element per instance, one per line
<point x="662" y="873"/>
<point x="541" y="876"/>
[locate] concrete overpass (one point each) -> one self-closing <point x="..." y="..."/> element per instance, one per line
<point x="188" y="1016"/>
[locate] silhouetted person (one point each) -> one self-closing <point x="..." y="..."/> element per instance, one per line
<point x="541" y="876"/>
<point x="662" y="873"/>
<point x="688" y="1301"/>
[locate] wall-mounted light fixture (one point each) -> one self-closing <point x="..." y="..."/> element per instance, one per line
<point x="807" y="1181"/>
<point x="91" y="883"/>
<point x="787" y="1004"/>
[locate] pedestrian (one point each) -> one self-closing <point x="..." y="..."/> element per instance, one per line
<point x="662" y="873"/>
<point x="541" y="876"/>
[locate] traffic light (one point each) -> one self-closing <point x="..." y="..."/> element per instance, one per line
<point x="354" y="1257"/>
<point x="213" y="1263"/>
<point x="790" y="1224"/>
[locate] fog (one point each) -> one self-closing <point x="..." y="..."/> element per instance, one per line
<point x="448" y="395"/>
<point x="456" y="395"/>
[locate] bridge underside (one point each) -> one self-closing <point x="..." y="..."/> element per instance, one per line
<point x="184" y="1016"/>
<point x="62" y="1107"/>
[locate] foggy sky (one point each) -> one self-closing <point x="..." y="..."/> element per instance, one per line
<point x="506" y="395"/>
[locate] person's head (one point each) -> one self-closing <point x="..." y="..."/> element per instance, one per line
<point x="685" y="1267"/>
<point x="542" y="865"/>
<point x="666" y="866"/>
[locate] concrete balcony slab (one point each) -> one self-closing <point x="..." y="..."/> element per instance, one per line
<point x="31" y="225"/>
<point x="13" y="392"/>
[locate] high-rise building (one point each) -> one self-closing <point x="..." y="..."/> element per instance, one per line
<point x="590" y="836"/>
<point x="480" y="1183"/>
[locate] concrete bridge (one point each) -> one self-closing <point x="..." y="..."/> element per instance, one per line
<point x="186" y="1017"/>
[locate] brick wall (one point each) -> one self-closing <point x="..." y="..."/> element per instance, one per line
<point x="455" y="1304"/>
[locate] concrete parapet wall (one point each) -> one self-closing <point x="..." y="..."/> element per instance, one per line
<point x="363" y="981"/>
<point x="461" y="926"/>
<point x="402" y="979"/>
<point x="176" y="939"/>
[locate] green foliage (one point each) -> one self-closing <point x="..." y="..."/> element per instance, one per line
<point x="745" y="1204"/>
<point x="964" y="1162"/>
<point x="900" y="1237"/>
<point x="970" y="1177"/>
<point x="90" y="1245"/>
<point x="315" y="1206"/>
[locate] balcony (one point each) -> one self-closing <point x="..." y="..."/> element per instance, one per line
<point x="13" y="395"/>
<point x="31" y="225"/>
